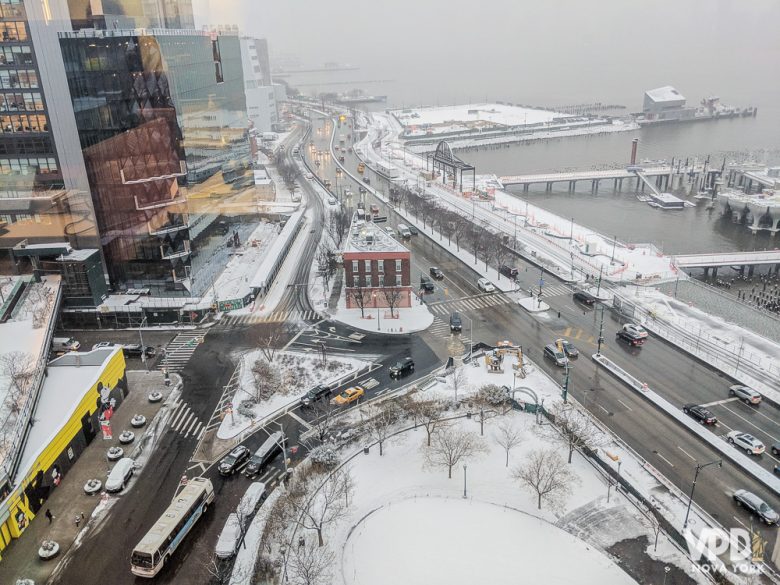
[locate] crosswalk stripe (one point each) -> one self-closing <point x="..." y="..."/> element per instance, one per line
<point x="196" y="430"/>
<point x="184" y="420"/>
<point x="369" y="383"/>
<point x="176" y="415"/>
<point x="190" y="426"/>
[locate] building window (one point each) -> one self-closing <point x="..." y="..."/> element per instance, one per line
<point x="381" y="281"/>
<point x="367" y="264"/>
<point x="398" y="280"/>
<point x="368" y="280"/>
<point x="398" y="266"/>
<point x="355" y="267"/>
<point x="380" y="265"/>
<point x="356" y="281"/>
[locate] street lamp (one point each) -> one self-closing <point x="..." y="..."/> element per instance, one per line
<point x="373" y="295"/>
<point x="699" y="467"/>
<point x="282" y="445"/>
<point x="471" y="335"/>
<point x="143" y="347"/>
<point x="464" y="480"/>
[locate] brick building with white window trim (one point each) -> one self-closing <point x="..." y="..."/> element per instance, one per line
<point x="376" y="267"/>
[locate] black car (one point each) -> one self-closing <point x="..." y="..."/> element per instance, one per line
<point x="584" y="297"/>
<point x="413" y="230"/>
<point x="455" y="323"/>
<point x="508" y="271"/>
<point x="230" y="464"/>
<point x="134" y="350"/>
<point x="630" y="338"/>
<point x="700" y="413"/>
<point x="426" y="284"/>
<point x="317" y="393"/>
<point x="775" y="449"/>
<point x="402" y="368"/>
<point x="757" y="506"/>
<point x="366" y="180"/>
<point x="436" y="273"/>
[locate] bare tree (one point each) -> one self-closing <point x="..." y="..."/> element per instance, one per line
<point x="457" y="379"/>
<point x="427" y="413"/>
<point x="324" y="419"/>
<point x="545" y="474"/>
<point x="220" y="572"/>
<point x="490" y="248"/>
<point x="393" y="296"/>
<point x="328" y="504"/>
<point x="361" y="297"/>
<point x="573" y="426"/>
<point x="270" y="339"/>
<point x="19" y="368"/>
<point x="461" y="226"/>
<point x="508" y="436"/>
<point x="379" y="420"/>
<point x="267" y="379"/>
<point x="338" y="225"/>
<point x="449" y="446"/>
<point x="310" y="565"/>
<point x="326" y="260"/>
<point x="501" y="253"/>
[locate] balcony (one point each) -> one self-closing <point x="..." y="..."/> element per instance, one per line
<point x="169" y="253"/>
<point x="182" y="172"/>
<point x="169" y="229"/>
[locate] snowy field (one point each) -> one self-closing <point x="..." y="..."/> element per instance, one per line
<point x="405" y="319"/>
<point x="451" y="118"/>
<point x="297" y="371"/>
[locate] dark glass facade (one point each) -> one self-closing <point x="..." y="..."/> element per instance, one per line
<point x="158" y="118"/>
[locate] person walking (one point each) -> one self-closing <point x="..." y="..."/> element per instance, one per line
<point x="49" y="515"/>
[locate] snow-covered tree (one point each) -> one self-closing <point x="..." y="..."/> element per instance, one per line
<point x="508" y="436"/>
<point x="573" y="426"/>
<point x="379" y="421"/>
<point x="449" y="446"/>
<point x="545" y="474"/>
<point x="319" y="507"/>
<point x="427" y="413"/>
<point x="309" y="564"/>
<point x="266" y="379"/>
<point x="325" y="456"/>
<point x="457" y="379"/>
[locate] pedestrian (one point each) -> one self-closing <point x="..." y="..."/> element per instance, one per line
<point x="49" y="515"/>
<point x="78" y="520"/>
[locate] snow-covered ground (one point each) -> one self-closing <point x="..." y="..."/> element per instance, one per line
<point x="298" y="373"/>
<point x="404" y="319"/>
<point x="449" y="118"/>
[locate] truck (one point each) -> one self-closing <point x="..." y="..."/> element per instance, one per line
<point x="64" y="344"/>
<point x="387" y="170"/>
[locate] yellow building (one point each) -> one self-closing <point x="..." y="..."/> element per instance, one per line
<point x="77" y="388"/>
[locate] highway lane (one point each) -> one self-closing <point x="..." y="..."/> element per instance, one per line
<point x="660" y="440"/>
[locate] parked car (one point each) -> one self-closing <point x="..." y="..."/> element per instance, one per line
<point x="332" y="201"/>
<point x="485" y="285"/>
<point x="103" y="345"/>
<point x="635" y="330"/>
<point x="745" y="393"/>
<point x="700" y="413"/>
<point x="251" y="499"/>
<point x="508" y="271"/>
<point x="233" y="460"/>
<point x="584" y="297"/>
<point x="775" y="449"/>
<point x="749" y="443"/>
<point x="436" y="272"/>
<point x="568" y="348"/>
<point x="120" y="475"/>
<point x="552" y="352"/>
<point x="349" y="396"/>
<point x="455" y="322"/>
<point x="366" y="180"/>
<point x="414" y="231"/>
<point x="402" y="368"/>
<point x="270" y="448"/>
<point x="318" y="392"/>
<point x="228" y="538"/>
<point x="64" y="344"/>
<point x="630" y="338"/>
<point x="426" y="284"/>
<point x="390" y="232"/>
<point x="756" y="506"/>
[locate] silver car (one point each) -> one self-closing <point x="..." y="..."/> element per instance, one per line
<point x="749" y="443"/>
<point x="745" y="393"/>
<point x="757" y="506"/>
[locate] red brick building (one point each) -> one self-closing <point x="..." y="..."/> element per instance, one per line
<point x="377" y="268"/>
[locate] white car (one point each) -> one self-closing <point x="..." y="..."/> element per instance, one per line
<point x="251" y="499"/>
<point x="120" y="475"/>
<point x="635" y="330"/>
<point x="390" y="232"/>
<point x="749" y="443"/>
<point x="485" y="285"/>
<point x="332" y="201"/>
<point x="227" y="543"/>
<point x="745" y="393"/>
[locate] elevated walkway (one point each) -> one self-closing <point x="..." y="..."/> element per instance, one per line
<point x="727" y="259"/>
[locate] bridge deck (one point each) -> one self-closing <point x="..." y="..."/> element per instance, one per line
<point x="588" y="175"/>
<point x="727" y="259"/>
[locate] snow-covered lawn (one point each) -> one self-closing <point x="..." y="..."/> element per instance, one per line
<point x="298" y="372"/>
<point x="404" y="319"/>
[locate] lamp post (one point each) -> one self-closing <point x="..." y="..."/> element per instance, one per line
<point x="282" y="445"/>
<point x="598" y="286"/>
<point x="143" y="347"/>
<point x="699" y="467"/>
<point x="464" y="480"/>
<point x="601" y="332"/>
<point x="471" y="335"/>
<point x="614" y="244"/>
<point x="376" y="304"/>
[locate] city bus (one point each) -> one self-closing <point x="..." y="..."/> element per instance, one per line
<point x="162" y="540"/>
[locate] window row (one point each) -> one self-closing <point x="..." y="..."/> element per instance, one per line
<point x="12" y="9"/>
<point x="16" y="55"/>
<point x="27" y="144"/>
<point x="23" y="123"/>
<point x="380" y="265"/>
<point x="22" y="79"/>
<point x="20" y="102"/>
<point x="26" y="166"/>
<point x="381" y="282"/>
<point x="13" y="31"/>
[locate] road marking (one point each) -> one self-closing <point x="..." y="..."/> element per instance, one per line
<point x="196" y="465"/>
<point x="775" y="439"/>
<point x="665" y="459"/>
<point x="299" y="419"/>
<point x="381" y="392"/>
<point x="196" y="431"/>
<point x="369" y="383"/>
<point x="686" y="452"/>
<point x="602" y="408"/>
<point x="740" y="521"/>
<point x="356" y="336"/>
<point x="191" y="425"/>
<point x="624" y="404"/>
<point x="717" y="402"/>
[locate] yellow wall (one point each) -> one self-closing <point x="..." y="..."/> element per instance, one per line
<point x="114" y="370"/>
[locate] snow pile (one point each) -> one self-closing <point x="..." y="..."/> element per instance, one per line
<point x="297" y="372"/>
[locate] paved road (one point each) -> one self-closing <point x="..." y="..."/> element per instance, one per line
<point x="674" y="374"/>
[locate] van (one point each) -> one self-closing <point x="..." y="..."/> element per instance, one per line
<point x="251" y="499"/>
<point x="63" y="344"/>
<point x="553" y="353"/>
<point x="120" y="475"/>
<point x="265" y="454"/>
<point x="403" y="230"/>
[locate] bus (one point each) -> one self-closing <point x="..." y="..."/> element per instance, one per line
<point x="387" y="170"/>
<point x="162" y="540"/>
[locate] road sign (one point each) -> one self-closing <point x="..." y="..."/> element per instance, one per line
<point x="380" y="219"/>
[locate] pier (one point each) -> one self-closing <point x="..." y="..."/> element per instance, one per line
<point x="744" y="260"/>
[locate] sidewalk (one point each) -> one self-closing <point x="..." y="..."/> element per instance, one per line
<point x="68" y="501"/>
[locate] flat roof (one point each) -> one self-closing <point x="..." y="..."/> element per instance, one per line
<point x="493" y="114"/>
<point x="664" y="94"/>
<point x="63" y="389"/>
<point x="365" y="236"/>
